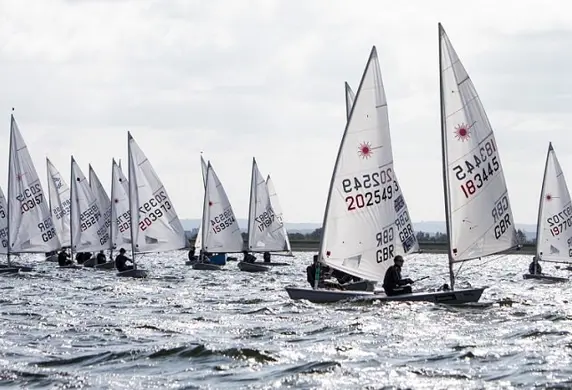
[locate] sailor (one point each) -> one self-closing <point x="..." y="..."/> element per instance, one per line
<point x="266" y="257"/>
<point x="534" y="268"/>
<point x="101" y="257"/>
<point x="191" y="255"/>
<point x="121" y="260"/>
<point x="311" y="274"/>
<point x="63" y="258"/>
<point x="393" y="284"/>
<point x="248" y="258"/>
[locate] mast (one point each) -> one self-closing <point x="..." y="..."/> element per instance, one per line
<point x="71" y="206"/>
<point x="252" y="184"/>
<point x="446" y="189"/>
<point x="205" y="205"/>
<point x="540" y="204"/>
<point x="9" y="185"/>
<point x="131" y="168"/>
<point x="111" y="210"/>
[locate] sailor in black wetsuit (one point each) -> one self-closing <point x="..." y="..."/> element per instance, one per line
<point x="393" y="284"/>
<point x="100" y="259"/>
<point x="121" y="260"/>
<point x="248" y="258"/>
<point x="534" y="268"/>
<point x="63" y="259"/>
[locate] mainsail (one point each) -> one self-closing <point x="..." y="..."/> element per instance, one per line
<point x="88" y="230"/>
<point x="479" y="216"/>
<point x="554" y="228"/>
<point x="221" y="232"/>
<point x="30" y="227"/>
<point x="3" y="224"/>
<point x="155" y="224"/>
<point x="120" y="216"/>
<point x="366" y="222"/>
<point x="265" y="230"/>
<point x="278" y="212"/>
<point x="59" y="203"/>
<point x="101" y="197"/>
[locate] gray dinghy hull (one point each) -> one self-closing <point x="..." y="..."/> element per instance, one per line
<point x="455" y="297"/>
<point x="546" y="278"/>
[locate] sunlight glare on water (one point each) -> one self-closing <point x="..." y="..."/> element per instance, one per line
<point x="182" y="328"/>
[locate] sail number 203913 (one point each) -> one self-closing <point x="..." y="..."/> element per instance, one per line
<point x="373" y="188"/>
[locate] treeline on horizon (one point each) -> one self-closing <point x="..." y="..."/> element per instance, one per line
<point x="421" y="237"/>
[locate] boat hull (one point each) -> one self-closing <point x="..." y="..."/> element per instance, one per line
<point x="9" y="270"/>
<point x="252" y="267"/>
<point x="90" y="263"/>
<point x="53" y="258"/>
<point x="133" y="273"/>
<point x="277" y="264"/>
<point x="21" y="268"/>
<point x="70" y="266"/>
<point x="110" y="265"/>
<point x="206" y="267"/>
<point x="447" y="297"/>
<point x="546" y="278"/>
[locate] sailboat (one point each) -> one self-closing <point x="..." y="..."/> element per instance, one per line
<point x="59" y="202"/>
<point x="155" y="226"/>
<point x="198" y="238"/>
<point x="87" y="231"/>
<point x="30" y="226"/>
<point x="477" y="208"/>
<point x="554" y="226"/>
<point x="104" y="205"/>
<point x="220" y="233"/>
<point x="265" y="230"/>
<point x="366" y="221"/>
<point x="4" y="234"/>
<point x="120" y="229"/>
<point x="279" y="215"/>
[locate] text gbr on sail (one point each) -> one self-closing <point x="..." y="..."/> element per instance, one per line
<point x="154" y="209"/>
<point x="123" y="222"/>
<point x="47" y="229"/>
<point x="501" y="217"/>
<point x="63" y="210"/>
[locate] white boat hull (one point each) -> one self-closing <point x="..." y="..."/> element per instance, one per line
<point x="546" y="278"/>
<point x="90" y="263"/>
<point x="206" y="267"/>
<point x="133" y="273"/>
<point x="252" y="267"/>
<point x="53" y="258"/>
<point x="448" y="297"/>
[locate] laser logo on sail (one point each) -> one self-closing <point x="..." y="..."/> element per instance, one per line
<point x="462" y="132"/>
<point x="364" y="150"/>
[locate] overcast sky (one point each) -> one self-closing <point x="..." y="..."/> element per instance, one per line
<point x="237" y="79"/>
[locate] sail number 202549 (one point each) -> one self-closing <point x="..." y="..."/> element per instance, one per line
<point x="379" y="186"/>
<point x="478" y="168"/>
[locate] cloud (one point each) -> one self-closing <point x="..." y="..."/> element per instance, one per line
<point x="264" y="78"/>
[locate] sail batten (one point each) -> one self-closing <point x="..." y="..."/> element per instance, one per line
<point x="60" y="202"/>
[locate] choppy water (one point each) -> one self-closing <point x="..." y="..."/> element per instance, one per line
<point x="185" y="329"/>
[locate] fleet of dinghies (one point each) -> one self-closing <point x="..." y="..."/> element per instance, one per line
<point x="366" y="221"/>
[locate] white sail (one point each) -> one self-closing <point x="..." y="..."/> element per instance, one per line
<point x="120" y="216"/>
<point x="3" y="224"/>
<point x="198" y="240"/>
<point x="278" y="212"/>
<point x="350" y="97"/>
<point x="222" y="233"/>
<point x="478" y="208"/>
<point x="101" y="197"/>
<point x="366" y="222"/>
<point x="554" y="228"/>
<point x="59" y="203"/>
<point x="88" y="230"/>
<point x="155" y="224"/>
<point x="265" y="230"/>
<point x="30" y="227"/>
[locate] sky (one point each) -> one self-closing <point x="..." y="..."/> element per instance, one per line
<point x="265" y="78"/>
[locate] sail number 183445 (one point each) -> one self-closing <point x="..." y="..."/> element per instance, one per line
<point x="477" y="169"/>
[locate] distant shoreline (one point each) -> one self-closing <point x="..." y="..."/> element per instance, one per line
<point x="426" y="247"/>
